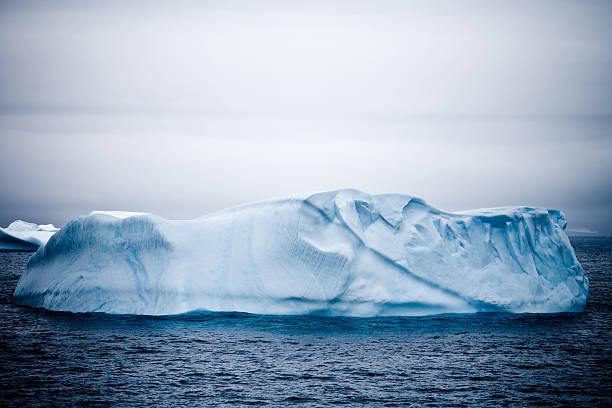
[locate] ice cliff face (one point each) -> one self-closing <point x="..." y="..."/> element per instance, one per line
<point x="340" y="253"/>
<point x="25" y="236"/>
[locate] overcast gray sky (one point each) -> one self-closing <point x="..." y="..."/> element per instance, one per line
<point x="185" y="107"/>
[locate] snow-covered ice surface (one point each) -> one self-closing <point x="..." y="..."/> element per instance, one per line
<point x="336" y="253"/>
<point x="27" y="236"/>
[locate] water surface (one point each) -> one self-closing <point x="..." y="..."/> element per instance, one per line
<point x="198" y="359"/>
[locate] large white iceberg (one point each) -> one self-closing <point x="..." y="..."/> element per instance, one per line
<point x="336" y="253"/>
<point x="25" y="236"/>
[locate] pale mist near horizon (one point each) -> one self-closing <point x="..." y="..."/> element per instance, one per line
<point x="183" y="108"/>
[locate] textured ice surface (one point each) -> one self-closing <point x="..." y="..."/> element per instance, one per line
<point x="22" y="235"/>
<point x="339" y="253"/>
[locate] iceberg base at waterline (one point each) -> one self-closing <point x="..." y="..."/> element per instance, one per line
<point x="341" y="252"/>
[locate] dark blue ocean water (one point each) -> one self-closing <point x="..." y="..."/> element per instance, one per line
<point x="63" y="359"/>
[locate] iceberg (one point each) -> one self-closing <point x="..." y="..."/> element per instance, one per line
<point x="25" y="236"/>
<point x="340" y="252"/>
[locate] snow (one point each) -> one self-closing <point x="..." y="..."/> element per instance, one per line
<point x="119" y="214"/>
<point x="27" y="236"/>
<point x="335" y="253"/>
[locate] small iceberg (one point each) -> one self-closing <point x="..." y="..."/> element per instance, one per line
<point x="25" y="236"/>
<point x="340" y="252"/>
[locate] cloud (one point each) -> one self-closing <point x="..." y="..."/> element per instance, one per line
<point x="482" y="58"/>
<point x="184" y="109"/>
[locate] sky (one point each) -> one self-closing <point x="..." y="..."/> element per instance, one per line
<point x="186" y="107"/>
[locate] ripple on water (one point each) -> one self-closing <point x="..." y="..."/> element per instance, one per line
<point x="63" y="359"/>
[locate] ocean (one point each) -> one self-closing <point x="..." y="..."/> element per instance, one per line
<point x="216" y="359"/>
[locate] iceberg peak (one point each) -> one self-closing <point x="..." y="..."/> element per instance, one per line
<point x="119" y="214"/>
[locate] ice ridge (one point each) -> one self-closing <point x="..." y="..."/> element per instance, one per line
<point x="340" y="252"/>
